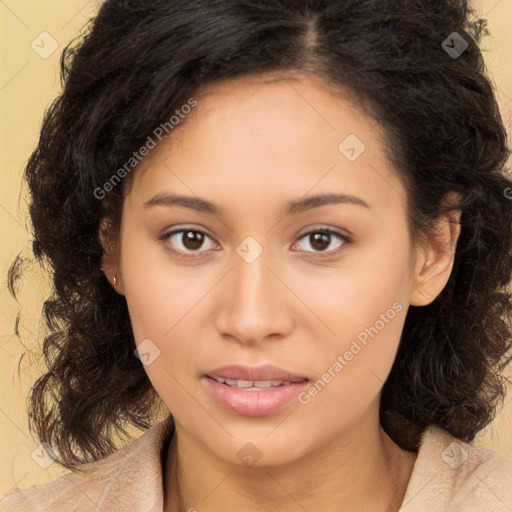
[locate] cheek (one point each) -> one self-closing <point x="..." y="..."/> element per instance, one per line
<point x="364" y="332"/>
<point x="359" y="293"/>
<point x="164" y="302"/>
<point x="158" y="293"/>
<point x="353" y="364"/>
<point x="362" y="308"/>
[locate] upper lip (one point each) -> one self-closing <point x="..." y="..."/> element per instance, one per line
<point x="265" y="372"/>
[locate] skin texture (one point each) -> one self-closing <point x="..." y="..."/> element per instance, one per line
<point x="250" y="146"/>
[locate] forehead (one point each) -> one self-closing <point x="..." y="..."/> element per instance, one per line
<point x="262" y="105"/>
<point x="250" y="134"/>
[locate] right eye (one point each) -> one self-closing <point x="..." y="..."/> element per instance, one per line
<point x="187" y="240"/>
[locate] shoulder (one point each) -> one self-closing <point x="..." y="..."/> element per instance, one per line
<point x="129" y="479"/>
<point x="453" y="476"/>
<point x="71" y="491"/>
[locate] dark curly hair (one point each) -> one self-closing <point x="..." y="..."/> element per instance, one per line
<point x="137" y="61"/>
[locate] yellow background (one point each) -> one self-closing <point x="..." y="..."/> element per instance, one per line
<point x="28" y="83"/>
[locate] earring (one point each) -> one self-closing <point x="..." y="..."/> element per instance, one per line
<point x="115" y="281"/>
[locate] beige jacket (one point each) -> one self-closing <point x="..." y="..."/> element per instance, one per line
<point x="448" y="476"/>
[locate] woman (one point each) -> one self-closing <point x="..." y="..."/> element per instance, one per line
<point x="287" y="222"/>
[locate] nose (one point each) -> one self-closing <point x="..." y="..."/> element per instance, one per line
<point x="256" y="302"/>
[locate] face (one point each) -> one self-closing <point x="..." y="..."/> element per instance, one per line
<point x="319" y="289"/>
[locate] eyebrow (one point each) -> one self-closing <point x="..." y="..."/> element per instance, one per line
<point x="292" y="207"/>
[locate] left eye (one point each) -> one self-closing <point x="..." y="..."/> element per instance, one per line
<point x="322" y="238"/>
<point x="190" y="240"/>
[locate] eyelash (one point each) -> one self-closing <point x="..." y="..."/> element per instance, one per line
<point x="346" y="239"/>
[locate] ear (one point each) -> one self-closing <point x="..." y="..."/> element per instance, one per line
<point x="434" y="261"/>
<point x="109" y="260"/>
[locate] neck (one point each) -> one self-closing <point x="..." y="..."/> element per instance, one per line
<point x="361" y="470"/>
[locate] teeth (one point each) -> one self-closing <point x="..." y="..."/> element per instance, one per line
<point x="253" y="385"/>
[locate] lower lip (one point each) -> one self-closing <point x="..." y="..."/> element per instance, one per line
<point x="254" y="403"/>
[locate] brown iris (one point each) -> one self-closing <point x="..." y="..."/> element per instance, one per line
<point x="319" y="241"/>
<point x="192" y="239"/>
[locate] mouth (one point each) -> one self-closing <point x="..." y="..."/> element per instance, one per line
<point x="255" y="385"/>
<point x="247" y="376"/>
<point x="250" y="391"/>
